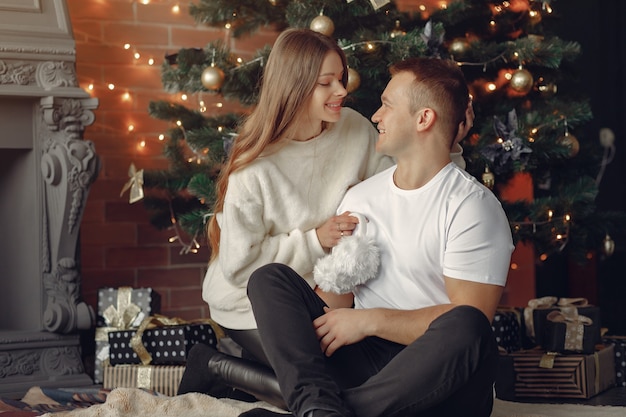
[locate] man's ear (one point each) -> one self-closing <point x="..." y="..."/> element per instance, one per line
<point x="425" y="119"/>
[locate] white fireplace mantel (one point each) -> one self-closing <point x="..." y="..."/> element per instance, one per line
<point x="46" y="170"/>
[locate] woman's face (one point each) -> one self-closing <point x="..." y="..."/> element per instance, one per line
<point x="327" y="98"/>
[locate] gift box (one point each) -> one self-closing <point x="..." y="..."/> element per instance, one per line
<point x="118" y="309"/>
<point x="163" y="379"/>
<point x="536" y="373"/>
<point x="576" y="324"/>
<point x="507" y="328"/>
<point x="166" y="345"/>
<point x="620" y="358"/>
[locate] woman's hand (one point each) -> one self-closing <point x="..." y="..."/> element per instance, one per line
<point x="466" y="125"/>
<point x="335" y="228"/>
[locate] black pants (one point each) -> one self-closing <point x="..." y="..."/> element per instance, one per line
<point x="449" y="371"/>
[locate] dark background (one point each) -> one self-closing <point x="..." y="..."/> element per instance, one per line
<point x="600" y="28"/>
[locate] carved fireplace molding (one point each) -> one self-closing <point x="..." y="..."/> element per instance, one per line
<point x="46" y="170"/>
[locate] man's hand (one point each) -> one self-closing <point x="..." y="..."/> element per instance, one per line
<point x="340" y="327"/>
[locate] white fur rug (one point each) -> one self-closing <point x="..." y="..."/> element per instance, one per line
<point x="131" y="402"/>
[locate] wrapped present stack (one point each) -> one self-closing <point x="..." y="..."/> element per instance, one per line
<point x="120" y="309"/>
<point x="553" y="348"/>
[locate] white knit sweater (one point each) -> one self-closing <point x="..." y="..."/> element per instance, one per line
<point x="273" y="206"/>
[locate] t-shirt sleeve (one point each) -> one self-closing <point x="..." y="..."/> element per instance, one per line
<point x="479" y="243"/>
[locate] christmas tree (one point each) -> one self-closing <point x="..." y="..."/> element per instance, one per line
<point x="526" y="128"/>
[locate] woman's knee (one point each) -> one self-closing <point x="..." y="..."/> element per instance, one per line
<point x="268" y="276"/>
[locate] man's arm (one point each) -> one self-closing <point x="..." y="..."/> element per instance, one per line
<point x="346" y="326"/>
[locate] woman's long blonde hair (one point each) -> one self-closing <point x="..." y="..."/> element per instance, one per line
<point x="289" y="78"/>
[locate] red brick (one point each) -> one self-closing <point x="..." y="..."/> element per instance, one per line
<point x="109" y="234"/>
<point x="200" y="258"/>
<point x="94" y="209"/>
<point x="149" y="235"/>
<point x="136" y="34"/>
<point x="186" y="297"/>
<point x="91" y="257"/>
<point x="99" y="10"/>
<point x="119" y="257"/>
<point x="190" y="277"/>
<point x="196" y="37"/>
<point x="162" y="13"/>
<point x="123" y="211"/>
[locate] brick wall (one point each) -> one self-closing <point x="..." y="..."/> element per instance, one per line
<point x="118" y="245"/>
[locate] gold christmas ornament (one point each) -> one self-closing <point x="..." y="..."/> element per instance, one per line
<point x="323" y="24"/>
<point x="488" y="178"/>
<point x="521" y="81"/>
<point x="212" y="78"/>
<point x="458" y="47"/>
<point x="608" y="245"/>
<point x="545" y="88"/>
<point x="397" y="31"/>
<point x="571" y="142"/>
<point x="354" y="80"/>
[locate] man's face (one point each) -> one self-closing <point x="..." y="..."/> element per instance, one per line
<point x="396" y="125"/>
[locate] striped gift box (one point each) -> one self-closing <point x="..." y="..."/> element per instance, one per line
<point x="163" y="379"/>
<point x="535" y="373"/>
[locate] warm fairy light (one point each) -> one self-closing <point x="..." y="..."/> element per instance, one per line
<point x="499" y="140"/>
<point x="550" y="214"/>
<point x="176" y="8"/>
<point x="508" y="76"/>
<point x="151" y="61"/>
<point x="145" y="1"/>
<point x="491" y="87"/>
<point x="111" y="86"/>
<point x="172" y="239"/>
<point x="220" y="128"/>
<point x="543" y="256"/>
<point x="422" y="8"/>
<point x="514" y="266"/>
<point x="370" y="46"/>
<point x="137" y="55"/>
<point x="126" y="96"/>
<point x="559" y="237"/>
<point x="547" y="7"/>
<point x="492" y="23"/>
<point x="533" y="13"/>
<point x="534" y="130"/>
<point x="179" y="123"/>
<point x="127" y="46"/>
<point x="227" y="26"/>
<point x="142" y="144"/>
<point x="220" y="105"/>
<point x="190" y="160"/>
<point x="161" y="136"/>
<point x="131" y="128"/>
<point x="239" y="60"/>
<point x="567" y="217"/>
<point x="183" y="97"/>
<point x="90" y="87"/>
<point x="443" y="5"/>
<point x="531" y="139"/>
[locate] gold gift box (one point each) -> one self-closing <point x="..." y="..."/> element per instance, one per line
<point x="163" y="379"/>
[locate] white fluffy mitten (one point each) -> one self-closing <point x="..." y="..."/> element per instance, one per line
<point x="352" y="262"/>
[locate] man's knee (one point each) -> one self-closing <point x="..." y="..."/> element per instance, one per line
<point x="466" y="322"/>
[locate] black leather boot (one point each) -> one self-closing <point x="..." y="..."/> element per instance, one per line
<point x="252" y="377"/>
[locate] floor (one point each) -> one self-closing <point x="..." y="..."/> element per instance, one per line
<point x="615" y="396"/>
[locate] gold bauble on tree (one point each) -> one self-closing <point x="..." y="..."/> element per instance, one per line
<point x="397" y="31"/>
<point x="608" y="245"/>
<point x="458" y="48"/>
<point x="521" y="81"/>
<point x="323" y="24"/>
<point x="212" y="78"/>
<point x="571" y="142"/>
<point x="546" y="88"/>
<point x="354" y="80"/>
<point x="488" y="178"/>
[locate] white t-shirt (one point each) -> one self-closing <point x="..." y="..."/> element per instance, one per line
<point x="452" y="226"/>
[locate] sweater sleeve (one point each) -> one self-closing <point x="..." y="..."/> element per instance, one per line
<point x="249" y="239"/>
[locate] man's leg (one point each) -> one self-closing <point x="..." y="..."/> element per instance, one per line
<point x="284" y="307"/>
<point x="450" y="368"/>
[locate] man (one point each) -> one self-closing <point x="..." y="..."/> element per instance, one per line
<point x="418" y="341"/>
